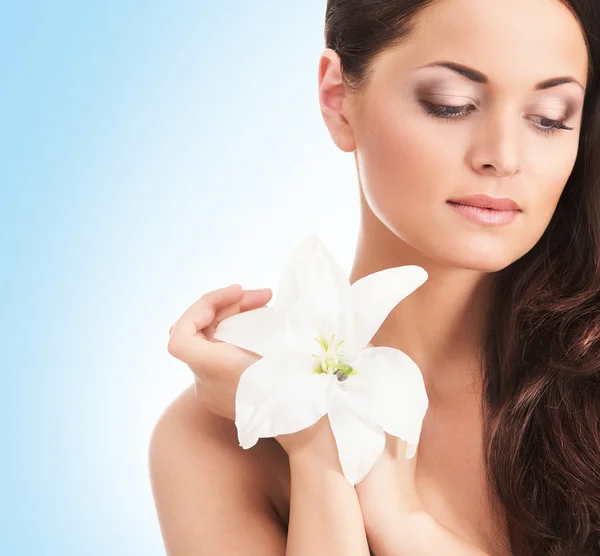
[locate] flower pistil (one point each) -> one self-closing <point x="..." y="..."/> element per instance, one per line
<point x="329" y="360"/>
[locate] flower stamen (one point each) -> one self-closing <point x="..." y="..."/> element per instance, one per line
<point x="329" y="360"/>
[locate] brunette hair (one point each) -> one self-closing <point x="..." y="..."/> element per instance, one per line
<point x="541" y="357"/>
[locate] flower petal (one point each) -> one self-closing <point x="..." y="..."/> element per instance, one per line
<point x="411" y="450"/>
<point x="314" y="295"/>
<point x="375" y="295"/>
<point x="359" y="443"/>
<point x="257" y="330"/>
<point x="388" y="390"/>
<point x="279" y="395"/>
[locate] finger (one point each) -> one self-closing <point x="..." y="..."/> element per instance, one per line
<point x="205" y="358"/>
<point x="193" y="345"/>
<point x="204" y="318"/>
<point x="255" y="298"/>
<point x="251" y="299"/>
<point x="201" y="313"/>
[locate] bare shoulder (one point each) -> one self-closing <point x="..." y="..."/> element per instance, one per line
<point x="211" y="496"/>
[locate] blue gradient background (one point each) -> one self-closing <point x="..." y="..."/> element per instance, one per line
<point x="151" y="152"/>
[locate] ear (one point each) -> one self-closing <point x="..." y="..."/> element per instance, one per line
<point x="332" y="94"/>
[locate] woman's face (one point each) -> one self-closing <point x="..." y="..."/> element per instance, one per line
<point x="498" y="137"/>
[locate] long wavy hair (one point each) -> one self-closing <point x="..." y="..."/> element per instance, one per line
<point x="541" y="356"/>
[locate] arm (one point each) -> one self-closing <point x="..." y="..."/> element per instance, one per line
<point x="419" y="534"/>
<point x="325" y="515"/>
<point x="212" y="497"/>
<point x="208" y="499"/>
<point x="211" y="501"/>
<point x="422" y="535"/>
<point x="396" y="521"/>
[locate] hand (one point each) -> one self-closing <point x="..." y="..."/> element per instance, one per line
<point x="388" y="497"/>
<point x="217" y="366"/>
<point x="316" y="440"/>
<point x="396" y="521"/>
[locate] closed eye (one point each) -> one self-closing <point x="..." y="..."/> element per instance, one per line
<point x="548" y="126"/>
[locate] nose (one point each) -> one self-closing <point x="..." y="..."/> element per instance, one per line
<point x="496" y="147"/>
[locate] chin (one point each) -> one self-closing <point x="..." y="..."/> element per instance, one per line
<point x="480" y="258"/>
<point x="486" y="264"/>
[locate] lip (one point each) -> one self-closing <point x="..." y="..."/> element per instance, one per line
<point x="485" y="201"/>
<point x="485" y="216"/>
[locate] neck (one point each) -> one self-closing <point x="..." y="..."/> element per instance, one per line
<point x="441" y="324"/>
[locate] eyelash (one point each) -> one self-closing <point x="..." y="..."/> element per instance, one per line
<point x="442" y="111"/>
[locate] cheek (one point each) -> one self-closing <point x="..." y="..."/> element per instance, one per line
<point x="552" y="170"/>
<point x="403" y="168"/>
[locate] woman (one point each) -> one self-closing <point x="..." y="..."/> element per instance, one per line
<point x="439" y="101"/>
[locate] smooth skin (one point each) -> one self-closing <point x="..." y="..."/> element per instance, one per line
<point x="212" y="497"/>
<point x="326" y="516"/>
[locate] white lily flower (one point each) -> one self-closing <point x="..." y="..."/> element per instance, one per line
<point x="316" y="360"/>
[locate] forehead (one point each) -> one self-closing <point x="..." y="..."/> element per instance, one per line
<point x="516" y="42"/>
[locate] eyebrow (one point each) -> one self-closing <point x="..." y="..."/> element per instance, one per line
<point x="479" y="77"/>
